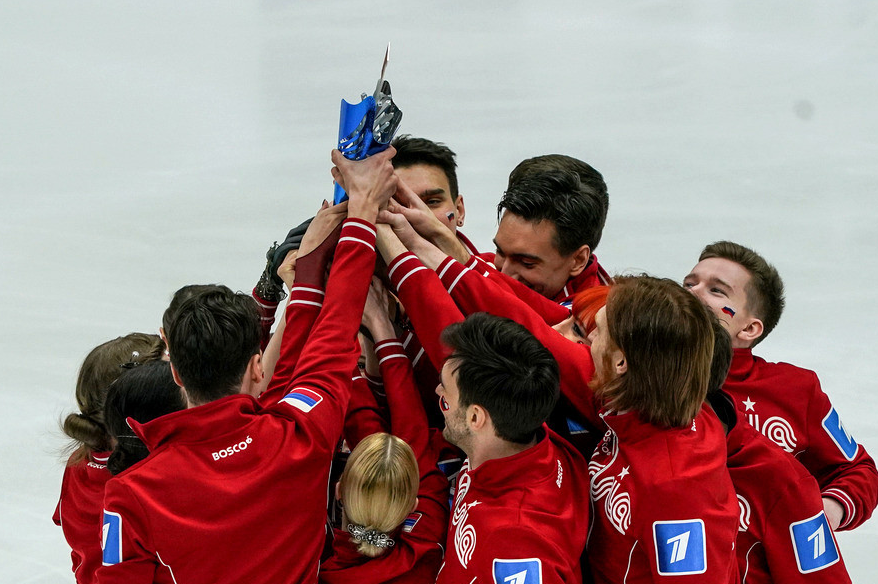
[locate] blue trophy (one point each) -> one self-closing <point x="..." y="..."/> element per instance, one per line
<point x="366" y="128"/>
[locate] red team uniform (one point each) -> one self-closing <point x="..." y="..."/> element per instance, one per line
<point x="786" y="404"/>
<point x="233" y="491"/>
<point x="522" y="518"/>
<point x="79" y="512"/>
<point x="663" y="504"/>
<point x="783" y="534"/>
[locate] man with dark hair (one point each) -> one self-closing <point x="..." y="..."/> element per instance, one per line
<point x="780" y="400"/>
<point x="429" y="170"/>
<point x="549" y="224"/>
<point x="227" y="469"/>
<point x="783" y="533"/>
<point x="587" y="174"/>
<point x="519" y="514"/>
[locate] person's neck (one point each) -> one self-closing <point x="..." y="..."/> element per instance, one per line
<point x="496" y="449"/>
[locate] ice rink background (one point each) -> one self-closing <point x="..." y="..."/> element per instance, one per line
<point x="144" y="146"/>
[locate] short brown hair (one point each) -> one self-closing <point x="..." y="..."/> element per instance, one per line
<point x="765" y="294"/>
<point x="667" y="339"/>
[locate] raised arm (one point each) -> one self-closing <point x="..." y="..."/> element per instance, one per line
<point x="304" y="272"/>
<point x="322" y="378"/>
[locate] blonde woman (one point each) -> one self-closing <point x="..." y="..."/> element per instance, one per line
<point x="394" y="497"/>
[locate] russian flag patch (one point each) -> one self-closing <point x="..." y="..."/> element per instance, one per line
<point x="410" y="522"/>
<point x="303" y="398"/>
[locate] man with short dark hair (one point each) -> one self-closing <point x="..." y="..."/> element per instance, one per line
<point x="780" y="400"/>
<point x="234" y="491"/>
<point x="519" y="514"/>
<point x="549" y="224"/>
<point x="429" y="170"/>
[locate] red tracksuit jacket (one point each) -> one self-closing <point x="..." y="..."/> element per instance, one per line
<point x="783" y="535"/>
<point x="417" y="553"/>
<point x="663" y="506"/>
<point x="79" y="513"/>
<point x="236" y="492"/>
<point x="522" y="518"/>
<point x="786" y="404"/>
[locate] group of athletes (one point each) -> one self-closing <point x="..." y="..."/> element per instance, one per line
<point x="425" y="412"/>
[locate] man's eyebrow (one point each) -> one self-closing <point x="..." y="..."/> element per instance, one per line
<point x="517" y="255"/>
<point x="721" y="282"/>
<point x="431" y="192"/>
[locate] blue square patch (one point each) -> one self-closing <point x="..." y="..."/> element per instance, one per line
<point x="680" y="547"/>
<point x="524" y="571"/>
<point x="813" y="543"/>
<point x="845" y="442"/>
<point x="111" y="538"/>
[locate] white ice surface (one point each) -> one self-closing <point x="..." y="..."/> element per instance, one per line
<point x="144" y="146"/>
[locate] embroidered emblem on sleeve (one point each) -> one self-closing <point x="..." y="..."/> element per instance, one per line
<point x="836" y="430"/>
<point x="526" y="571"/>
<point x="813" y="543"/>
<point x="680" y="547"/>
<point x="303" y="399"/>
<point x="111" y="538"/>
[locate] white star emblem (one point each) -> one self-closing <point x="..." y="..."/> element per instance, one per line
<point x="748" y="405"/>
<point x="624" y="472"/>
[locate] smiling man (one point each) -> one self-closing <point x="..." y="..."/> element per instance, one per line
<point x="550" y="223"/>
<point x="780" y="400"/>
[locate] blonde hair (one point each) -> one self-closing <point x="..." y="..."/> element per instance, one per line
<point x="102" y="366"/>
<point x="379" y="486"/>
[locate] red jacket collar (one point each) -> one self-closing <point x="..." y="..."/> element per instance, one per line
<point x="593" y="275"/>
<point x="743" y="362"/>
<point x="196" y="424"/>
<point x="535" y="464"/>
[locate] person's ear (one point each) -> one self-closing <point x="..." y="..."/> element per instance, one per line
<point x="751" y="332"/>
<point x="477" y="417"/>
<point x="619" y="362"/>
<point x="461" y="211"/>
<point x="253" y="376"/>
<point x="580" y="260"/>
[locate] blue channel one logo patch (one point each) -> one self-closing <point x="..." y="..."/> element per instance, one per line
<point x="836" y="430"/>
<point x="680" y="547"/>
<point x="111" y="538"/>
<point x="524" y="571"/>
<point x="813" y="543"/>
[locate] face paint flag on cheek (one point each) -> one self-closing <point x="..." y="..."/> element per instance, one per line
<point x="729" y="311"/>
<point x="450" y="215"/>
